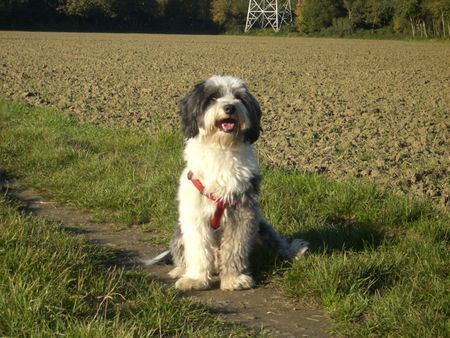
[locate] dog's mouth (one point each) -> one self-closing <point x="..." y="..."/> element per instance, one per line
<point x="227" y="125"/>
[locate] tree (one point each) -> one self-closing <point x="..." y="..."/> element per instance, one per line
<point x="229" y="13"/>
<point x="439" y="15"/>
<point x="409" y="11"/>
<point x="220" y="11"/>
<point x="27" y="13"/>
<point x="187" y="10"/>
<point x="378" y="13"/>
<point x="356" y="11"/>
<point x="136" y="13"/>
<point x="315" y="15"/>
<point x="88" y="8"/>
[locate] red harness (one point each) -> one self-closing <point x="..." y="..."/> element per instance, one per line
<point x="220" y="205"/>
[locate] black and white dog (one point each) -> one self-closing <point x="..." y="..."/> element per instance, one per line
<point x="219" y="214"/>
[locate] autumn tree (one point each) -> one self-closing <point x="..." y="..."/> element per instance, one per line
<point x="229" y="12"/>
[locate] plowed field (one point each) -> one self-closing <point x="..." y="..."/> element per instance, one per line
<point x="376" y="110"/>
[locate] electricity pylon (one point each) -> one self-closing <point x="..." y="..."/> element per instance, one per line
<point x="273" y="13"/>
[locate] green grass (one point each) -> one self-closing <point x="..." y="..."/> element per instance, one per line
<point x="378" y="262"/>
<point x="120" y="175"/>
<point x="54" y="284"/>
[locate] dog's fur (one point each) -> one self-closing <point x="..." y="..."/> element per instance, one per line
<point x="221" y="120"/>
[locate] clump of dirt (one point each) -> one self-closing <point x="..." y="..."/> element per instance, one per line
<point x="376" y="110"/>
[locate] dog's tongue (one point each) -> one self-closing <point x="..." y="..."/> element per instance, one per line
<point x="228" y="125"/>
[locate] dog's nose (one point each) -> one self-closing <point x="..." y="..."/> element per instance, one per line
<point x="229" y="109"/>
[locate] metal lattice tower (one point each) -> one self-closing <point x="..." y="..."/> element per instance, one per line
<point x="271" y="13"/>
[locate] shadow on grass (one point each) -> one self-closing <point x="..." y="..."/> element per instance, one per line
<point x="5" y="178"/>
<point x="340" y="234"/>
<point x="335" y="234"/>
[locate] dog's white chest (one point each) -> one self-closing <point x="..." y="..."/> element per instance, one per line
<point x="225" y="172"/>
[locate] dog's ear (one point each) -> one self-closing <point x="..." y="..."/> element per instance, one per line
<point x="190" y="109"/>
<point x="251" y="134"/>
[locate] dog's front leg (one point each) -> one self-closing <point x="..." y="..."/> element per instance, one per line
<point x="239" y="231"/>
<point x="197" y="239"/>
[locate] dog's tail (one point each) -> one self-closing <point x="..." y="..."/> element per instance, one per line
<point x="291" y="250"/>
<point x="297" y="248"/>
<point x="164" y="257"/>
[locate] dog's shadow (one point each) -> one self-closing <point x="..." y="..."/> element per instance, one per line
<point x="340" y="234"/>
<point x="335" y="234"/>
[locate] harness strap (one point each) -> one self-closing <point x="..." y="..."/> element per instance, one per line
<point x="220" y="204"/>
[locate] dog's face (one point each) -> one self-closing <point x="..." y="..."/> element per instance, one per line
<point x="221" y="108"/>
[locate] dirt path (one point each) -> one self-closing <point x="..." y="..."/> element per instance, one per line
<point x="264" y="308"/>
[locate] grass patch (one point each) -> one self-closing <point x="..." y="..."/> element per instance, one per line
<point x="121" y="175"/>
<point x="54" y="284"/>
<point x="378" y="262"/>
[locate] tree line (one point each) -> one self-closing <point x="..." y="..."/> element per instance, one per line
<point x="418" y="18"/>
<point x="424" y="18"/>
<point x="108" y="15"/>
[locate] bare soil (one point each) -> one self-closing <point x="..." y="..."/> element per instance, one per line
<point x="264" y="310"/>
<point x="375" y="110"/>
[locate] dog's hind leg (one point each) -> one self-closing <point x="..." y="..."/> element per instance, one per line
<point x="271" y="239"/>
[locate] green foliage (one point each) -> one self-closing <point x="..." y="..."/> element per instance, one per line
<point x="379" y="13"/>
<point x="427" y="18"/>
<point x="355" y="11"/>
<point x="342" y="26"/>
<point x="315" y="15"/>
<point x="419" y="18"/>
<point x="186" y="10"/>
<point x="88" y="8"/>
<point x="229" y="13"/>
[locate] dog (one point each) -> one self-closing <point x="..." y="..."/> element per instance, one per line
<point x="220" y="221"/>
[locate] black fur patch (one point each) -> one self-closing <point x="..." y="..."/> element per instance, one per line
<point x="190" y="109"/>
<point x="251" y="134"/>
<point x="256" y="182"/>
<point x="193" y="106"/>
<point x="251" y="195"/>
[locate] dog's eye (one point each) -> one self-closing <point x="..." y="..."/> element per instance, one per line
<point x="212" y="98"/>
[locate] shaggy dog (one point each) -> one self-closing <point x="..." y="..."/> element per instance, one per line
<point x="219" y="215"/>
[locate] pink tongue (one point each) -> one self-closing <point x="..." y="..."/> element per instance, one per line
<point x="227" y="126"/>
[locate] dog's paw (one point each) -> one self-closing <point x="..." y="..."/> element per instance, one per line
<point x="186" y="283"/>
<point x="240" y="282"/>
<point x="176" y="272"/>
<point x="298" y="247"/>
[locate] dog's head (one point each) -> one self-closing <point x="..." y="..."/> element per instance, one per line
<point x="221" y="108"/>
